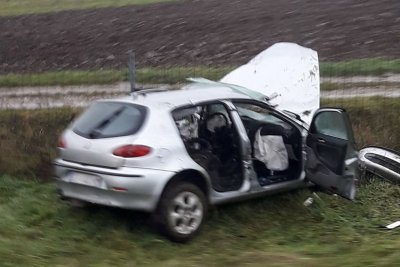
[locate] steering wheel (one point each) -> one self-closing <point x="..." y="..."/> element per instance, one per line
<point x="212" y="121"/>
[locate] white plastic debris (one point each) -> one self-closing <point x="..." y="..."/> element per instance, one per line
<point x="308" y="202"/>
<point x="393" y="225"/>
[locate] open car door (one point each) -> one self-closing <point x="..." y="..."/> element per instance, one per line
<point x="331" y="154"/>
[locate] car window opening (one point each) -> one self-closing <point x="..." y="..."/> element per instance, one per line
<point x="213" y="143"/>
<point x="276" y="144"/>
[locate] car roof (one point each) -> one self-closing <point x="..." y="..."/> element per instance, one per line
<point x="188" y="95"/>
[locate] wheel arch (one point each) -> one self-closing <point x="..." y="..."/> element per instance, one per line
<point x="191" y="176"/>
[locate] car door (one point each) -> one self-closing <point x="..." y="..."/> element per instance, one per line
<point x="331" y="154"/>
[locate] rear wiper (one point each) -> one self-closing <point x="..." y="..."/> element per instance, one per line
<point x="95" y="132"/>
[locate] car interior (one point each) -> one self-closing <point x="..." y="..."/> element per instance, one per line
<point x="276" y="144"/>
<point x="212" y="141"/>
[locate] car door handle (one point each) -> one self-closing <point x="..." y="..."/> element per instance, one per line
<point x="320" y="140"/>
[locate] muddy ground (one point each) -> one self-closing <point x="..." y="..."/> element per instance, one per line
<point x="197" y="32"/>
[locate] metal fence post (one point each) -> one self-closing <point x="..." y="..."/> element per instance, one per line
<point x="132" y="71"/>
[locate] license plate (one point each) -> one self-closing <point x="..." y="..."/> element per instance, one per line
<point x="84" y="179"/>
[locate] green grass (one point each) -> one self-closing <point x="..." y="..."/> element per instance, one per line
<point x="36" y="229"/>
<point x="172" y="75"/>
<point x="329" y="86"/>
<point x="20" y="7"/>
<point x="28" y="140"/>
<point x="367" y="66"/>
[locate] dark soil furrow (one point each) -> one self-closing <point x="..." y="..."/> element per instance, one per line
<point x="201" y="32"/>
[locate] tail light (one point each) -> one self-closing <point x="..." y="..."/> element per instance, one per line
<point x="61" y="143"/>
<point x="132" y="151"/>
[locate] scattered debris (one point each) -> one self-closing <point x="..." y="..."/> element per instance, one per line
<point x="308" y="202"/>
<point x="393" y="225"/>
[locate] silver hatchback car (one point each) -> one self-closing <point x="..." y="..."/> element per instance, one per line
<point x="174" y="153"/>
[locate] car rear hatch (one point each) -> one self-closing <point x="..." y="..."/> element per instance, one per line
<point x="99" y="131"/>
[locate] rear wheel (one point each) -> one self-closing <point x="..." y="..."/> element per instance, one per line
<point x="181" y="211"/>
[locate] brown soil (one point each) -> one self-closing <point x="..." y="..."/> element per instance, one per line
<point x="197" y="32"/>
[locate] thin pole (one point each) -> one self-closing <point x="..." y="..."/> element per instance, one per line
<point x="132" y="71"/>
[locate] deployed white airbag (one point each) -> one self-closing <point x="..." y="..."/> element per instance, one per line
<point x="286" y="69"/>
<point x="271" y="150"/>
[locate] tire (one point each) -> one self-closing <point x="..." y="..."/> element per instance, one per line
<point x="181" y="212"/>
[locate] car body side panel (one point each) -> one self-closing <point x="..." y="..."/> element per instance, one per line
<point x="228" y="197"/>
<point x="92" y="151"/>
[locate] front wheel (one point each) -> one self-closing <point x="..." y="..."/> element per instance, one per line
<point x="181" y="211"/>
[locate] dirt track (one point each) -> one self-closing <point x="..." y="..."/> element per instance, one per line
<point x="198" y="32"/>
<point x="79" y="96"/>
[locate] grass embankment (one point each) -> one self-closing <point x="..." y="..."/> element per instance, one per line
<point x="38" y="230"/>
<point x="20" y="7"/>
<point x="28" y="140"/>
<point x="172" y="75"/>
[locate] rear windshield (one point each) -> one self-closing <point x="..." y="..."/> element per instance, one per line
<point x="109" y="119"/>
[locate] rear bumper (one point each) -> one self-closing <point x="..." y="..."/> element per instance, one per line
<point x="130" y="188"/>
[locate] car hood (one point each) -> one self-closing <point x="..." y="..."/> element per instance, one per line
<point x="286" y="74"/>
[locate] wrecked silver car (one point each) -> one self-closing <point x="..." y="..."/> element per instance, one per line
<point x="174" y="153"/>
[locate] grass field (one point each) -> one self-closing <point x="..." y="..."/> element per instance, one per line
<point x="328" y="86"/>
<point x="37" y="229"/>
<point x="19" y="7"/>
<point x="174" y="75"/>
